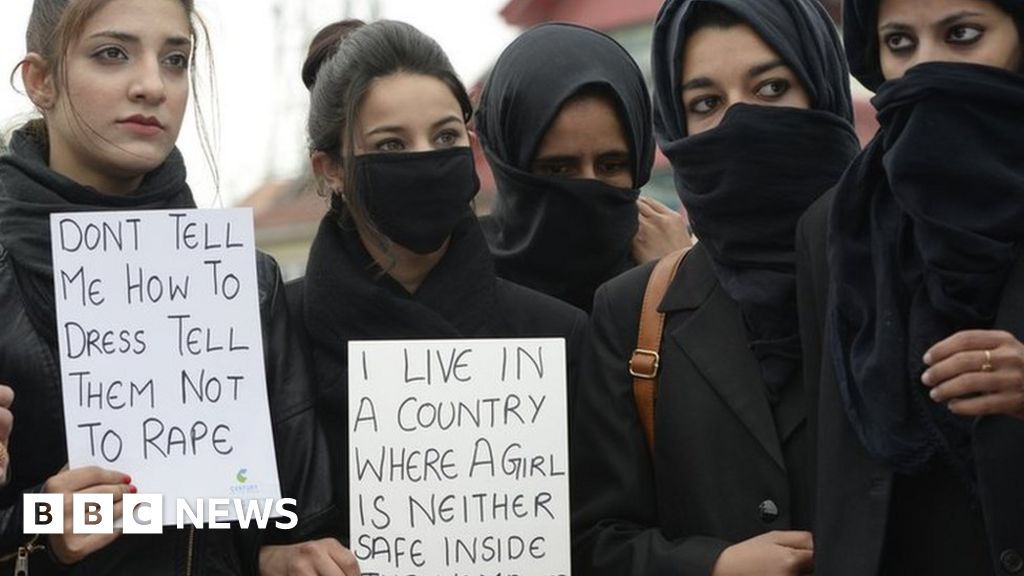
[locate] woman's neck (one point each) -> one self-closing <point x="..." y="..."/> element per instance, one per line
<point x="406" y="267"/>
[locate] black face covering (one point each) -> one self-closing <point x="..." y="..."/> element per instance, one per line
<point x="560" y="236"/>
<point x="746" y="182"/>
<point x="745" y="185"/>
<point x="587" y="227"/>
<point x="30" y="192"/>
<point x="417" y="198"/>
<point x="860" y="35"/>
<point x="925" y="227"/>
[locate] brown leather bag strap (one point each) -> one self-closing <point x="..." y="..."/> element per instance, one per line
<point x="646" y="360"/>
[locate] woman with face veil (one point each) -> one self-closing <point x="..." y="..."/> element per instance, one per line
<point x="752" y="107"/>
<point x="911" y="285"/>
<point x="565" y="124"/>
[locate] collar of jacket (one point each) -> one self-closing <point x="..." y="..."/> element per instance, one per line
<point x="700" y="282"/>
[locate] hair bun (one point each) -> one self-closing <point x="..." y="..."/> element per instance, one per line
<point x="324" y="45"/>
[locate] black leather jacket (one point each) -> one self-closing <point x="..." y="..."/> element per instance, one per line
<point x="37" y="449"/>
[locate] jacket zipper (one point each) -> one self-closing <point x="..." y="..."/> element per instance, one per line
<point x="21" y="558"/>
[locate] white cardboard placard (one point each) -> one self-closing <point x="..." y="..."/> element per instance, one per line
<point x="161" y="353"/>
<point x="458" y="457"/>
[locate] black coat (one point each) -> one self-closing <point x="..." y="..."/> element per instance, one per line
<point x="518" y="312"/>
<point x="855" y="502"/>
<point x="727" y="466"/>
<point x="38" y="449"/>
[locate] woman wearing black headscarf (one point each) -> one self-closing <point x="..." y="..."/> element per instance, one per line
<point x="565" y="123"/>
<point x="919" y="309"/>
<point x="753" y="110"/>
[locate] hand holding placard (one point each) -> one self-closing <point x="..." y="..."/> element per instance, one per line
<point x="68" y="546"/>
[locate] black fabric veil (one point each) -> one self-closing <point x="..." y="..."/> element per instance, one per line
<point x="746" y="182"/>
<point x="560" y="236"/>
<point x="924" y="230"/>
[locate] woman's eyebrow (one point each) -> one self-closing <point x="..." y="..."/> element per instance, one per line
<point x="128" y="38"/>
<point x="953" y="18"/>
<point x="894" y="27"/>
<point x="446" y="120"/>
<point x="385" y="129"/>
<point x="696" y="83"/>
<point x="944" y="22"/>
<point x="759" y="69"/>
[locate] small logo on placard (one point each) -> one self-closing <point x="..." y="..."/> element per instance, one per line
<point x="242" y="486"/>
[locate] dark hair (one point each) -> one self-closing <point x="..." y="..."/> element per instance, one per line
<point x="707" y="15"/>
<point x="55" y="25"/>
<point x="324" y="45"/>
<point x="342" y="81"/>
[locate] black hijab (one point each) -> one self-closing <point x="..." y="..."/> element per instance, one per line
<point x="860" y="36"/>
<point x="925" y="228"/>
<point x="746" y="182"/>
<point x="560" y="236"/>
<point x="30" y="192"/>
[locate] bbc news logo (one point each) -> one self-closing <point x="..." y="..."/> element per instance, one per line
<point x="143" y="513"/>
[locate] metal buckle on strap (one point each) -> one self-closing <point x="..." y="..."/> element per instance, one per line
<point x="640" y="355"/>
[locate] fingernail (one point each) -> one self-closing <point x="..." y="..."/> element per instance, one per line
<point x="133" y="489"/>
<point x="927" y="358"/>
<point x="926" y="378"/>
<point x="127" y="479"/>
<point x="934" y="394"/>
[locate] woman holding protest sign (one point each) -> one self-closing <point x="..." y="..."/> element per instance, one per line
<point x="111" y="79"/>
<point x="570" y="143"/>
<point x="400" y="254"/>
<point x="753" y="109"/>
<point x="911" y="304"/>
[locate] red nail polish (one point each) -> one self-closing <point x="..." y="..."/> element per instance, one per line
<point x="127" y="479"/>
<point x="133" y="489"/>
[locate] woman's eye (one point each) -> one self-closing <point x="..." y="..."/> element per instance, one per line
<point x="613" y="167"/>
<point x="559" y="169"/>
<point x="773" y="89"/>
<point x="898" y="42"/>
<point x="447" y="138"/>
<point x="390" y="146"/>
<point x="110" y="53"/>
<point x="704" y="104"/>
<point x="177" y="60"/>
<point x="964" y="34"/>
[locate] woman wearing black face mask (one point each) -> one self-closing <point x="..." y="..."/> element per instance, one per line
<point x="911" y="283"/>
<point x="752" y="107"/>
<point x="569" y="140"/>
<point x="400" y="255"/>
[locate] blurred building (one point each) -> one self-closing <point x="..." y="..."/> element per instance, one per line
<point x="286" y="214"/>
